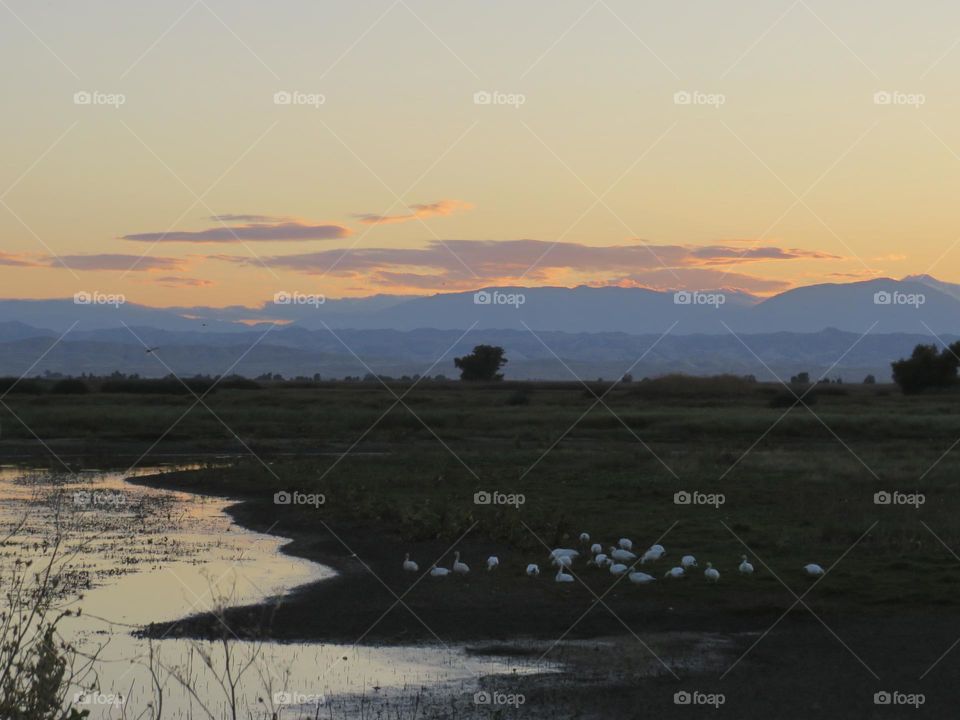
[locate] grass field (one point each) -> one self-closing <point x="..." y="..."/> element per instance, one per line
<point x="798" y="482"/>
<point x="400" y="476"/>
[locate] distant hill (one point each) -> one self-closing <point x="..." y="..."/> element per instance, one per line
<point x="299" y="352"/>
<point x="911" y="305"/>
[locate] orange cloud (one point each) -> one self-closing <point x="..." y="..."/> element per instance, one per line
<point x="441" y="208"/>
<point x="255" y="228"/>
<point x="465" y="264"/>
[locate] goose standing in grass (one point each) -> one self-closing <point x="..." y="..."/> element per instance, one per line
<point x="813" y="570"/>
<point x="675" y="573"/>
<point x="533" y="570"/>
<point x="653" y="554"/>
<point x="622" y="555"/>
<point x="409" y="565"/>
<point x="585" y="538"/>
<point x="461" y="568"/>
<point x="711" y="573"/>
<point x="640" y="578"/>
<point x="563" y="552"/>
<point x="618" y="569"/>
<point x="625" y="543"/>
<point x="439" y="571"/>
<point x="596" y="549"/>
<point x="600" y="560"/>
<point x="492" y="562"/>
<point x="688" y="561"/>
<point x="745" y="567"/>
<point x="562" y="577"/>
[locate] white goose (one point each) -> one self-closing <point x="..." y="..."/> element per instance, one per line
<point x="562" y="577"/>
<point x="596" y="549"/>
<point x="675" y="573"/>
<point x="439" y="571"/>
<point x="618" y="569"/>
<point x="813" y="569"/>
<point x="492" y="562"/>
<point x="409" y="565"/>
<point x="622" y="555"/>
<point x="584" y="538"/>
<point x="533" y="570"/>
<point x="745" y="567"/>
<point x="563" y="552"/>
<point x="461" y="568"/>
<point x="711" y="573"/>
<point x="640" y="578"/>
<point x="653" y="554"/>
<point x="563" y="561"/>
<point x="625" y="543"/>
<point x="688" y="561"/>
<point x="600" y="560"/>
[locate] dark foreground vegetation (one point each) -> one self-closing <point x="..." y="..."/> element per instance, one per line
<point x="399" y="467"/>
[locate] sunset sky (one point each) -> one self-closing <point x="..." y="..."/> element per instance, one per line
<point x="435" y="146"/>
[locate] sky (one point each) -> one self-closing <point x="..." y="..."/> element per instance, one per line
<point x="217" y="152"/>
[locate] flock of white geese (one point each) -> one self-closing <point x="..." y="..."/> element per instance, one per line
<point x="618" y="560"/>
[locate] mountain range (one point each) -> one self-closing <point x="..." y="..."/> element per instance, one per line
<point x="548" y="332"/>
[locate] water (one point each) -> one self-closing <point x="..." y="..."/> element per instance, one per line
<point x="139" y="555"/>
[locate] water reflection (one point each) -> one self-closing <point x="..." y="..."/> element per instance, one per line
<point x="141" y="555"/>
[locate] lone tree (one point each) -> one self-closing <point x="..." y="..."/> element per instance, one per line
<point x="926" y="367"/>
<point x="482" y="364"/>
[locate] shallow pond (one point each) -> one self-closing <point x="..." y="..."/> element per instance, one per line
<point x="139" y="555"/>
